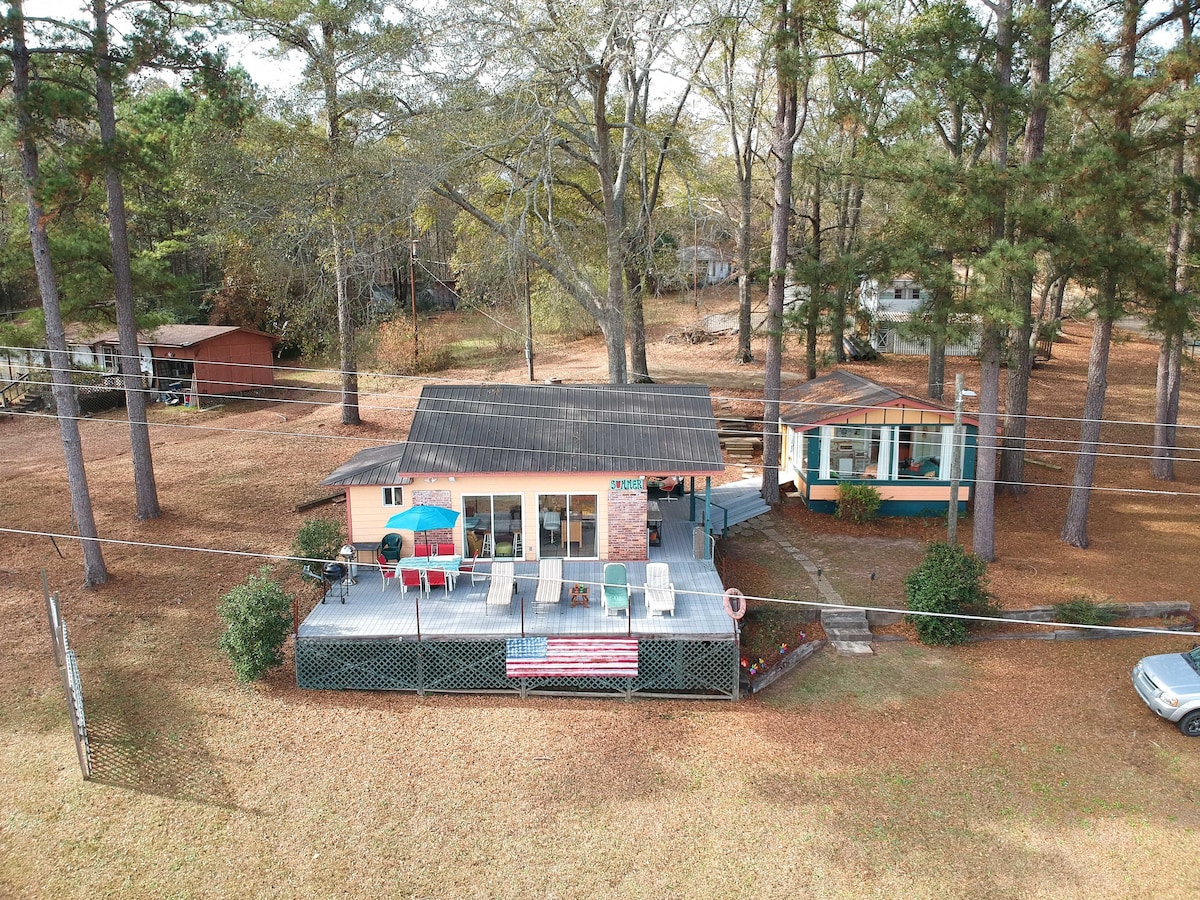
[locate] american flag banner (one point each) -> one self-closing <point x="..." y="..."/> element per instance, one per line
<point x="579" y="657"/>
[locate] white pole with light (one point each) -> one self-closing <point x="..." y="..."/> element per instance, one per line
<point x="956" y="456"/>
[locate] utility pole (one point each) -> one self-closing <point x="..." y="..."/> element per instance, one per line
<point x="412" y="288"/>
<point x="956" y="442"/>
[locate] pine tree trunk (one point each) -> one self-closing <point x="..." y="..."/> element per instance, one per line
<point x="1016" y="402"/>
<point x="1162" y="456"/>
<point x="745" y="296"/>
<point x="145" y="488"/>
<point x="783" y="150"/>
<point x="639" y="366"/>
<point x="984" y="532"/>
<point x="1074" y="530"/>
<point x="94" y="570"/>
<point x="1179" y="245"/>
<point x="347" y="357"/>
<point x="936" y="381"/>
<point x="812" y="319"/>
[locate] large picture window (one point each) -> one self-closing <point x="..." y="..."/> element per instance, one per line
<point x="855" y="451"/>
<point x="920" y="453"/>
<point x="886" y="452"/>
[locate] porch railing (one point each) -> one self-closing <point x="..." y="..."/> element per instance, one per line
<point x="14" y="389"/>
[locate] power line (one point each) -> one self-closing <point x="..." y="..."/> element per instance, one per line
<point x="337" y="373"/>
<point x="280" y="557"/>
<point x="668" y="464"/>
<point x="496" y="407"/>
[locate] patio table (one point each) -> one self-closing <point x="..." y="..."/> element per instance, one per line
<point x="448" y="564"/>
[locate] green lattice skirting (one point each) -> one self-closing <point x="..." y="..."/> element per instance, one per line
<point x="675" y="668"/>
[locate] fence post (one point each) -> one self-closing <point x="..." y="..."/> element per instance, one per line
<point x="55" y="627"/>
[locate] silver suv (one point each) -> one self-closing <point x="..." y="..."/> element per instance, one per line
<point x="1170" y="685"/>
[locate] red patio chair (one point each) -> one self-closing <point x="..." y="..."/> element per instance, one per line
<point x="410" y="578"/>
<point x="436" y="578"/>
<point x="422" y="550"/>
<point x="386" y="569"/>
<point x="445" y="549"/>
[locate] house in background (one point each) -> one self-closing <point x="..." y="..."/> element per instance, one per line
<point x="841" y="428"/>
<point x="535" y="471"/>
<point x="214" y="359"/>
<point x="888" y="306"/>
<point x="704" y="264"/>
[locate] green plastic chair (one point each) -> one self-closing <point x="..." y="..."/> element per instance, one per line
<point x="614" y="596"/>
<point x="390" y="546"/>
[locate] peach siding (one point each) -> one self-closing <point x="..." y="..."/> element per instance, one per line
<point x="895" y="491"/>
<point x="366" y="514"/>
<point x="898" y="415"/>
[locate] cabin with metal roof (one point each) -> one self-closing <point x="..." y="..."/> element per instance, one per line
<point x="212" y="360"/>
<point x="536" y="471"/>
<point x="842" y="428"/>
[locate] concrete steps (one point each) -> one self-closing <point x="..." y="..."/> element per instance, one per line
<point x="847" y="631"/>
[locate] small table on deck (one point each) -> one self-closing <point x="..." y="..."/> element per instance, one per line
<point x="579" y="595"/>
<point x="654" y="522"/>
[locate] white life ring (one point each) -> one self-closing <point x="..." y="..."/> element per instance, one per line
<point x="732" y="594"/>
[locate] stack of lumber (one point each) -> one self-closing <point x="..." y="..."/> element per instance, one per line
<point x="741" y="438"/>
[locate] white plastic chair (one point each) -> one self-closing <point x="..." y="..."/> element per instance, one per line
<point x="660" y="592"/>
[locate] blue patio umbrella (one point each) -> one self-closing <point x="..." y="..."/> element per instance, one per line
<point x="423" y="518"/>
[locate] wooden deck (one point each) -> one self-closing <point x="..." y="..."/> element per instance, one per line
<point x="369" y="613"/>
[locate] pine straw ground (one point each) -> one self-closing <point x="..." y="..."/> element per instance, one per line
<point x="993" y="770"/>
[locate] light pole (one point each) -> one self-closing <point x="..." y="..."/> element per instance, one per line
<point x="956" y="441"/>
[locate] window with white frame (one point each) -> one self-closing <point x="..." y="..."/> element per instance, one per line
<point x="393" y="496"/>
<point x="854" y="452"/>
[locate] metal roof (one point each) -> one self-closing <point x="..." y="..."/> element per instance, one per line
<point x="164" y="335"/>
<point x="476" y="429"/>
<point x="840" y="394"/>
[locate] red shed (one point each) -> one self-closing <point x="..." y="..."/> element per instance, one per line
<point x="224" y="359"/>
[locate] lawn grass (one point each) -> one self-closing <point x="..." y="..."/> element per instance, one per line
<point x="1014" y="769"/>
<point x="895" y="674"/>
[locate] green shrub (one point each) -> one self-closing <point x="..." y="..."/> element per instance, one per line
<point x="857" y="502"/>
<point x="1083" y="610"/>
<point x="258" y="617"/>
<point x="948" y="580"/>
<point x="318" y="539"/>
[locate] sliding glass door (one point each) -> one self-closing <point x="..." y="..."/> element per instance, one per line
<point x="567" y="525"/>
<point x="492" y="525"/>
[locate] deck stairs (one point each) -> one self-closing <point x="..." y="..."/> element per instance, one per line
<point x="742" y="500"/>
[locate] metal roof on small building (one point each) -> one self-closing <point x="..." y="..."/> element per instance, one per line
<point x="493" y="429"/>
<point x="841" y="394"/>
<point x="163" y="335"/>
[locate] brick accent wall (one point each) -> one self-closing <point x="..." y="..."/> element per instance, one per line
<point x="626" y="525"/>
<point x="433" y="497"/>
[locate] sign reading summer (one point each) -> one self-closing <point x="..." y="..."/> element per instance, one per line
<point x="627" y="484"/>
